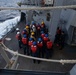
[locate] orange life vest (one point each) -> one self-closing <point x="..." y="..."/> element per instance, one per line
<point x="45" y="39"/>
<point x="42" y="35"/>
<point x="30" y="43"/>
<point x="24" y="41"/>
<point x="33" y="48"/>
<point x="18" y="37"/>
<point x="39" y="44"/>
<point x="49" y="44"/>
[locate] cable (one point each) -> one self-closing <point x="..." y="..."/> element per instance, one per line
<point x="30" y="57"/>
<point x="38" y="8"/>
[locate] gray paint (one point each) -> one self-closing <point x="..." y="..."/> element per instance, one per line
<point x="68" y="15"/>
<point x="73" y="71"/>
<point x="55" y="19"/>
<point x="69" y="2"/>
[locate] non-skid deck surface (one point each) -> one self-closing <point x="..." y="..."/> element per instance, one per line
<point x="27" y="64"/>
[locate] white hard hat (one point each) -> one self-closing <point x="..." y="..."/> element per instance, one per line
<point x="18" y="32"/>
<point x="33" y="26"/>
<point x="17" y="28"/>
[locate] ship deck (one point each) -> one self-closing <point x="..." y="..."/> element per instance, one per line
<point x="69" y="52"/>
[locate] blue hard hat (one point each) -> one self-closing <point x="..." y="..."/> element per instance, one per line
<point x="30" y="39"/>
<point x="33" y="22"/>
<point x="34" y="43"/>
<point x="42" y="32"/>
<point x="46" y="35"/>
<point x="25" y="36"/>
<point x="39" y="39"/>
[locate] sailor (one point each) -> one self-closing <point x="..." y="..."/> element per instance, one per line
<point x="25" y="32"/>
<point x="34" y="29"/>
<point x="33" y="36"/>
<point x="57" y="36"/>
<point x="49" y="50"/>
<point x="30" y="42"/>
<point x="38" y="30"/>
<point x="43" y="26"/>
<point x="17" y="30"/>
<point x="45" y="39"/>
<point x="19" y="38"/>
<point x="27" y="29"/>
<point x="62" y="40"/>
<point x="25" y="44"/>
<point x="40" y="47"/>
<point x="46" y="30"/>
<point x="42" y="34"/>
<point x="32" y="23"/>
<point x="34" y="50"/>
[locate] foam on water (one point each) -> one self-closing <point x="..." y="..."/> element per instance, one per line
<point x="6" y="26"/>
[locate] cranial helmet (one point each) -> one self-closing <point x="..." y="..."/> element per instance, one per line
<point x="46" y="35"/>
<point x="17" y="28"/>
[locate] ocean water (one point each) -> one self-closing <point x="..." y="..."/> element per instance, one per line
<point x="8" y="14"/>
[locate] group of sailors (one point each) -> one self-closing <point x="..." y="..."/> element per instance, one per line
<point x="35" y="41"/>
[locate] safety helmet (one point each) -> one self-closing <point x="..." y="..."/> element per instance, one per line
<point x="27" y="27"/>
<point x="17" y="28"/>
<point x="25" y="36"/>
<point x="30" y="39"/>
<point x="18" y="32"/>
<point x="33" y="22"/>
<point x="46" y="35"/>
<point x="33" y="26"/>
<point x="42" y="32"/>
<point x="39" y="39"/>
<point x="32" y="33"/>
<point x="42" y="22"/>
<point x="34" y="43"/>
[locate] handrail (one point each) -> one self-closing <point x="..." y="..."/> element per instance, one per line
<point x="42" y="59"/>
<point x="38" y="8"/>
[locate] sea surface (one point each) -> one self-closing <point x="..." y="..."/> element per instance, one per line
<point x="8" y="14"/>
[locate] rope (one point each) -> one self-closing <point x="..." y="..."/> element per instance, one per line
<point x="38" y="8"/>
<point x="30" y="57"/>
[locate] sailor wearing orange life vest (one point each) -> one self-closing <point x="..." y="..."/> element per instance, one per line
<point x="30" y="42"/>
<point x="42" y="34"/>
<point x="19" y="38"/>
<point x="25" y="44"/>
<point x="24" y="32"/>
<point x="17" y="30"/>
<point x="49" y="50"/>
<point x="45" y="39"/>
<point x="34" y="50"/>
<point x="40" y="47"/>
